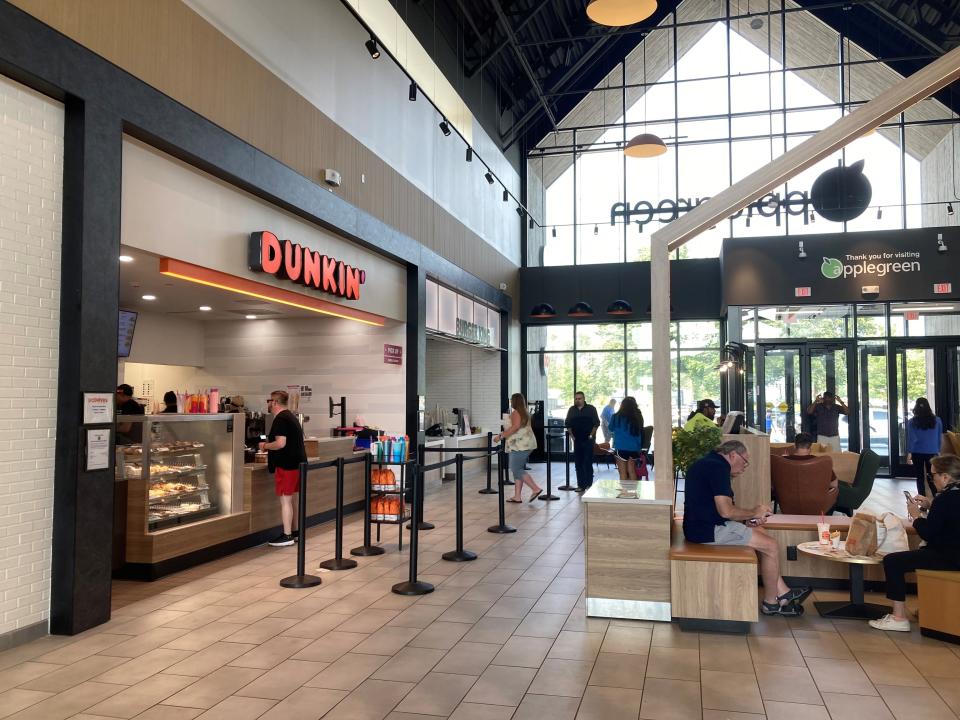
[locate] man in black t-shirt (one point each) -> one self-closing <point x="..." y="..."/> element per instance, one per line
<point x="128" y="433"/>
<point x="581" y="424"/>
<point x="711" y="517"/>
<point x="285" y="452"/>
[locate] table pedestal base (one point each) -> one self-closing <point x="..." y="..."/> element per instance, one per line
<point x="851" y="611"/>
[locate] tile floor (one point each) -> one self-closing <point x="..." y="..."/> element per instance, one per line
<point x="504" y="636"/>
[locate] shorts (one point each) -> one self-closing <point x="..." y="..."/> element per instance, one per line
<point x="629" y="454"/>
<point x="518" y="459"/>
<point x="731" y="533"/>
<point x="287" y="482"/>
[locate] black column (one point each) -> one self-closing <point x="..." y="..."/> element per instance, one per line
<point x="83" y="501"/>
<point x="416" y="360"/>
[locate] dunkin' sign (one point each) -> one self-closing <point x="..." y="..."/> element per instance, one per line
<point x="293" y="262"/>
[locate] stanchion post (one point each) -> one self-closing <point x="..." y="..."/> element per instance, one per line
<point x="413" y="586"/>
<point x="459" y="555"/>
<point x="339" y="562"/>
<point x="566" y="464"/>
<point x="488" y="490"/>
<point x="548" y="495"/>
<point x="368" y="548"/>
<point x="505" y="464"/>
<point x="502" y="527"/>
<point x="301" y="579"/>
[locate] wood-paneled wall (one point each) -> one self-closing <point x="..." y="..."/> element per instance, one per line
<point x="172" y="48"/>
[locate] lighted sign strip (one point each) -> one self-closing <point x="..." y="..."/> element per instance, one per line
<point x="242" y="286"/>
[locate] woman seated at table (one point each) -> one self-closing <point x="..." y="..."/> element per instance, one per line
<point x="936" y="522"/>
<point x="627" y="428"/>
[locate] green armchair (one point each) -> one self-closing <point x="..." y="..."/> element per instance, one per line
<point x="851" y="497"/>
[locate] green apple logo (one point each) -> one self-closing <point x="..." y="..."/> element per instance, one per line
<point x="831" y="268"/>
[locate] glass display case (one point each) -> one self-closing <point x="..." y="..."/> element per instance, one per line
<point x="183" y="468"/>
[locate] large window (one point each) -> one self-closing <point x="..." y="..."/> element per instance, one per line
<point x="728" y="98"/>
<point x="613" y="360"/>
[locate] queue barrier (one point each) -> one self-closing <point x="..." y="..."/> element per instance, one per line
<point x="301" y="579"/>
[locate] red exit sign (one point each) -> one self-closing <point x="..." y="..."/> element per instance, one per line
<point x="942" y="288"/>
<point x="801" y="292"/>
<point x="392" y="354"/>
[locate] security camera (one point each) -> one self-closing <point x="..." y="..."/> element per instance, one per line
<point x="941" y="245"/>
<point x="331" y="177"/>
<point x="801" y="253"/>
<point x="503" y="286"/>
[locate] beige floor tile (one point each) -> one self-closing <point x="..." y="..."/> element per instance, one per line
<point x="14" y="700"/>
<point x="555" y="603"/>
<point x="670" y="635"/>
<point x="579" y="622"/>
<point x="209" y="659"/>
<point x="387" y="640"/>
<point x="609" y="703"/>
<point x="670" y="699"/>
<point x="554" y="707"/>
<point x="537" y="624"/>
<point x="627" y="640"/>
<point x="512" y="607"/>
<point x="528" y="588"/>
<point x="911" y="703"/>
<point x="495" y="631"/>
<point x="932" y="661"/>
<point x="198" y="618"/>
<point x="485" y="592"/>
<point x="33" y="650"/>
<point x="305" y="608"/>
<point x="840" y="676"/>
<point x="373" y="700"/>
<point x="315" y="626"/>
<point x="169" y="712"/>
<point x="794" y="711"/>
<point x="562" y="677"/>
<point x="437" y="694"/>
<point x="949" y="691"/>
<point x="890" y="669"/>
<point x="671" y="663"/>
<point x="368" y="620"/>
<point x="571" y="645"/>
<point x="856" y="707"/>
<point x="348" y="672"/>
<point x="305" y="704"/>
<point x="145" y="642"/>
<point x="473" y="711"/>
<point x="138" y="669"/>
<point x="238" y="708"/>
<point x="618" y="670"/>
<point x="78" y="672"/>
<point x="868" y="640"/>
<point x="440" y="635"/>
<point x="330" y="646"/>
<point x="726" y="653"/>
<point x="271" y="653"/>
<point x="785" y="683"/>
<point x="204" y="637"/>
<point x="500" y="685"/>
<point x="140" y="697"/>
<point x="824" y="645"/>
<point x="208" y="691"/>
<point x="419" y="616"/>
<point x="141" y="624"/>
<point x="261" y="630"/>
<point x="566" y="586"/>
<point x="466" y="658"/>
<point x="84" y="648"/>
<point x="282" y="680"/>
<point x="731" y="691"/>
<point x="23" y="673"/>
<point x="728" y="715"/>
<point x="775" y="651"/>
<point x="409" y="665"/>
<point x="466" y="611"/>
<point x="69" y="702"/>
<point x="524" y="652"/>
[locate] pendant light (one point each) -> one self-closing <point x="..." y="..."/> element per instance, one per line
<point x="580" y="310"/>
<point x="618" y="13"/>
<point x="620" y="306"/>
<point x="543" y="311"/>
<point x="644" y="145"/>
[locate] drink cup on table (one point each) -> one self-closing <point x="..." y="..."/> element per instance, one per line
<point x="823" y="533"/>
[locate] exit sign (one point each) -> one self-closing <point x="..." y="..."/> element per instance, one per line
<point x="942" y="288"/>
<point x="801" y="292"/>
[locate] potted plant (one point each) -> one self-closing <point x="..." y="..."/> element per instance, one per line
<point x="688" y="447"/>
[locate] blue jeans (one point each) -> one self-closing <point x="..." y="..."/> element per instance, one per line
<point x="583" y="461"/>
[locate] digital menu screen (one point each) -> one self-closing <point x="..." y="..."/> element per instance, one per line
<point x="128" y="322"/>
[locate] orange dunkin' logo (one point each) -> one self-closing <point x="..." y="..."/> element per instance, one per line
<point x="298" y="264"/>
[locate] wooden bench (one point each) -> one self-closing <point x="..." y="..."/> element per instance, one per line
<point x="939" y="595"/>
<point x="712" y="587"/>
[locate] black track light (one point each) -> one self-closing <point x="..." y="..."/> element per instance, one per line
<point x="372" y="48"/>
<point x="596" y="229"/>
<point x="444" y="127"/>
<point x="469" y="154"/>
<point x="489" y="176"/>
<point x="520" y="211"/>
<point x="554" y="231"/>
<point x="748" y="221"/>
<point x="879" y="212"/>
<point x="506" y="195"/>
<point x="949" y="208"/>
<point x="530" y="224"/>
<point x="413" y="92"/>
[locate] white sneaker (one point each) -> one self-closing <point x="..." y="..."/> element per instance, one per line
<point x="889" y="622"/>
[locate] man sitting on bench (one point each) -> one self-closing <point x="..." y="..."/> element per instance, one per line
<point x="711" y="517"/>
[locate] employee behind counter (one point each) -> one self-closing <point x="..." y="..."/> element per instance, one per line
<point x="128" y="433"/>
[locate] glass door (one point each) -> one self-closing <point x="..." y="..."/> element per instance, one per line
<point x="830" y="369"/>
<point x="779" y="412"/>
<point x="874" y="402"/>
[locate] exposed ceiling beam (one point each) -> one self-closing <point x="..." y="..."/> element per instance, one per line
<point x="470" y="72"/>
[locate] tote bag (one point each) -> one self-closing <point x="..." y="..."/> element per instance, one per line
<point x="522" y="440"/>
<point x="891" y="535"/>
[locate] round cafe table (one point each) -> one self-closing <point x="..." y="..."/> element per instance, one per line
<point x="856" y="609"/>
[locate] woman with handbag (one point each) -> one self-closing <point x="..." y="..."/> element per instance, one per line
<point x="938" y="523"/>
<point x="520" y="442"/>
<point x="627" y="428"/>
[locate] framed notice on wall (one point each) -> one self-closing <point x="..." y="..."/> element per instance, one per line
<point x="97" y="408"/>
<point x="98" y="449"/>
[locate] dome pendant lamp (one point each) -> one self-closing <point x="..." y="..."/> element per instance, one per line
<point x="645" y="145"/>
<point x="543" y="311"/>
<point x="619" y="13"/>
<point x="620" y="307"/>
<point x="580" y="310"/>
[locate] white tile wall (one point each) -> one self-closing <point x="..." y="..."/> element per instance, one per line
<point x="31" y="181"/>
<point x="461" y="376"/>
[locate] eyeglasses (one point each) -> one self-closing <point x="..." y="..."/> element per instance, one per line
<point x="746" y="463"/>
<point x="270" y="400"/>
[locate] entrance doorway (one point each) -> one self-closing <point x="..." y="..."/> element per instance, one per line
<point x="792" y="374"/>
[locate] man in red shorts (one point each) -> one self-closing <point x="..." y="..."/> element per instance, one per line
<point x="285" y="452"/>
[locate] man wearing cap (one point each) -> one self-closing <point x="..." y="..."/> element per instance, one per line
<point x="826" y="411"/>
<point x="702" y="417"/>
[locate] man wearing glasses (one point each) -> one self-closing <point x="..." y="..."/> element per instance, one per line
<point x="711" y="517"/>
<point x="285" y="451"/>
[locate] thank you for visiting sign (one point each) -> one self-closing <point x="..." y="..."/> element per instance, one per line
<point x="887" y="265"/>
<point x="290" y="261"/>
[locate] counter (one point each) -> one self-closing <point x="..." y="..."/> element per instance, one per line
<point x="433" y="478"/>
<point x="472" y="462"/>
<point x="627" y="552"/>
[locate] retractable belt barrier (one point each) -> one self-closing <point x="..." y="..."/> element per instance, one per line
<point x="368" y="548"/>
<point x="501" y="527"/>
<point x="548" y="496"/>
<point x="301" y="579"/>
<point x="566" y="464"/>
<point x="338" y="562"/>
<point x="459" y="555"/>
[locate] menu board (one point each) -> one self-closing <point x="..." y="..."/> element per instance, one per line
<point x="128" y="323"/>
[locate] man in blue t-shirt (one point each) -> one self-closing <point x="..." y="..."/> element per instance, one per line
<point x="606" y="415"/>
<point x="711" y="517"/>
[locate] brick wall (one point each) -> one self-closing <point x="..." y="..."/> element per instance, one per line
<point x="31" y="178"/>
<point x="462" y="376"/>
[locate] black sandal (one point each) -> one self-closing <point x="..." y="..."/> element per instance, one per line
<point x="791" y="609"/>
<point x="514" y="500"/>
<point x="796" y="595"/>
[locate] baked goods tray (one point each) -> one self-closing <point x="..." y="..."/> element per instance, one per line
<point x="177" y="495"/>
<point x="178" y="472"/>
